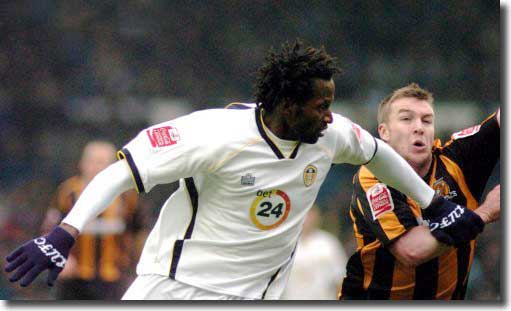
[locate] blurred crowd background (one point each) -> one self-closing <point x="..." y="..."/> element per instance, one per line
<point x="73" y="71"/>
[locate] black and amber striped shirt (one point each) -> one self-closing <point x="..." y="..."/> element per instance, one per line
<point x="100" y="255"/>
<point x="459" y="171"/>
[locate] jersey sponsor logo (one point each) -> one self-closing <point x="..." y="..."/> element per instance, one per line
<point x="163" y="136"/>
<point x="380" y="200"/>
<point x="270" y="209"/>
<point x="309" y="175"/>
<point x="467" y="132"/>
<point x="50" y="251"/>
<point x="247" y="180"/>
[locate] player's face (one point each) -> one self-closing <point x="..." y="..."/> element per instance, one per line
<point x="410" y="130"/>
<point x="308" y="121"/>
<point x="95" y="159"/>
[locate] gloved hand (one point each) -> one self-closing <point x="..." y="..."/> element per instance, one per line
<point x="451" y="223"/>
<point x="45" y="252"/>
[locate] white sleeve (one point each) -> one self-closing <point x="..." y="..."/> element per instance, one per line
<point x="99" y="193"/>
<point x="354" y="145"/>
<point x="389" y="167"/>
<point x="168" y="151"/>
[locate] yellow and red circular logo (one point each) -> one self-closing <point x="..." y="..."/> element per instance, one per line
<point x="270" y="209"/>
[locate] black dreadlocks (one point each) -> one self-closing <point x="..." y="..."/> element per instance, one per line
<point x="288" y="75"/>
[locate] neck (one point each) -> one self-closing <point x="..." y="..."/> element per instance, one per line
<point x="423" y="168"/>
<point x="273" y="121"/>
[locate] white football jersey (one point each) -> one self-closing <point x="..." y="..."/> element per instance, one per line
<point x="233" y="224"/>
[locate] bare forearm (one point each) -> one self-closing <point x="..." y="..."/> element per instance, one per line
<point x="489" y="211"/>
<point x="417" y="246"/>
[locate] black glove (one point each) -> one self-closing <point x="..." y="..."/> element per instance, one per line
<point x="45" y="252"/>
<point x="451" y="223"/>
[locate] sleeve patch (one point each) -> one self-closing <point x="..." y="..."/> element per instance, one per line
<point x="380" y="200"/>
<point x="356" y="129"/>
<point x="163" y="136"/>
<point x="466" y="132"/>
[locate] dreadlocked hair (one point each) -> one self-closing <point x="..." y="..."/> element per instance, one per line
<point x="289" y="74"/>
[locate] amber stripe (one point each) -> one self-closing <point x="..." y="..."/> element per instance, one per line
<point x="456" y="172"/>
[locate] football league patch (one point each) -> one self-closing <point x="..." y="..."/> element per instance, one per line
<point x="380" y="200"/>
<point x="163" y="136"/>
<point x="466" y="132"/>
<point x="356" y="129"/>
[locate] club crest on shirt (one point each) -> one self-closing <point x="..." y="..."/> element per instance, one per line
<point x="380" y="200"/>
<point x="442" y="188"/>
<point x="247" y="180"/>
<point x="163" y="136"/>
<point x="466" y="132"/>
<point x="309" y="175"/>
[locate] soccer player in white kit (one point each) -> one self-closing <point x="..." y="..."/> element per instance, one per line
<point x="248" y="175"/>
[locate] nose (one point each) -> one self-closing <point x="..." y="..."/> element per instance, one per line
<point x="419" y="127"/>
<point x="328" y="118"/>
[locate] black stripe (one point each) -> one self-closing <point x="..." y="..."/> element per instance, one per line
<point x="295" y="152"/>
<point x="277" y="273"/>
<point x="194" y="198"/>
<point x="463" y="257"/>
<point x="353" y="283"/>
<point x="383" y="271"/>
<point x="375" y="150"/>
<point x="360" y="222"/>
<point x="178" y="245"/>
<point x="176" y="255"/>
<point x="265" y="137"/>
<point x="426" y="280"/>
<point x="271" y="281"/>
<point x="373" y="225"/>
<point x="361" y="226"/>
<point x="134" y="170"/>
<point x="402" y="210"/>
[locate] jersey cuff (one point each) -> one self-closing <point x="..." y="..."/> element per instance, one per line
<point x="375" y="150"/>
<point x="125" y="154"/>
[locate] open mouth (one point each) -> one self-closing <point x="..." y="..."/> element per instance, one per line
<point x="419" y="145"/>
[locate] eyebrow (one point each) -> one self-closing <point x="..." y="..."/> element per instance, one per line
<point x="409" y="110"/>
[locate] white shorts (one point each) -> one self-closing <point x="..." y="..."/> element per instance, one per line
<point x="158" y="287"/>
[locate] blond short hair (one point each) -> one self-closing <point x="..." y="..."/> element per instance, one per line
<point x="411" y="90"/>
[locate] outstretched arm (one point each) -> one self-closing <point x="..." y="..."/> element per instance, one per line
<point x="389" y="167"/>
<point x="99" y="193"/>
<point x="450" y="223"/>
<point x="50" y="252"/>
<point x="418" y="245"/>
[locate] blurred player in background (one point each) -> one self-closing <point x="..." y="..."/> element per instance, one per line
<point x="319" y="263"/>
<point x="396" y="257"/>
<point x="248" y="177"/>
<point x="105" y="249"/>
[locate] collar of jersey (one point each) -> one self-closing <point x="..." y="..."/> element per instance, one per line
<point x="264" y="131"/>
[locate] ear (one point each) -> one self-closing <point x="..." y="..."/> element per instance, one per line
<point x="383" y="131"/>
<point x="286" y="107"/>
